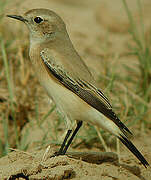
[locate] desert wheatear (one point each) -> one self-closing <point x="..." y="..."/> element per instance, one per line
<point x="68" y="81"/>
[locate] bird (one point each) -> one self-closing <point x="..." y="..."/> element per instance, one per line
<point x="68" y="81"/>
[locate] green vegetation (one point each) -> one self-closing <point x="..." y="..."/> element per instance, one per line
<point x="140" y="49"/>
<point x="130" y="92"/>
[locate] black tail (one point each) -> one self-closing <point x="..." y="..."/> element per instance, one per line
<point x="134" y="150"/>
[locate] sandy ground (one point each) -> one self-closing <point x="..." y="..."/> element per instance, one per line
<point x="88" y="23"/>
<point x="75" y="165"/>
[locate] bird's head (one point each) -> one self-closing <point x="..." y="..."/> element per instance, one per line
<point x="43" y="24"/>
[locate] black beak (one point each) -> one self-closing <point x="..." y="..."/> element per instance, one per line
<point x="18" y="18"/>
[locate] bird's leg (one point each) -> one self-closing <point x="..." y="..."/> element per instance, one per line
<point x="63" y="144"/>
<point x="79" y="124"/>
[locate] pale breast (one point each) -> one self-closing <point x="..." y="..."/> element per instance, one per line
<point x="66" y="100"/>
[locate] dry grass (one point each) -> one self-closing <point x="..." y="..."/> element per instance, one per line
<point x="20" y="97"/>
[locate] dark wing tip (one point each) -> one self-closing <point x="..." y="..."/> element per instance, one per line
<point x="111" y="115"/>
<point x="134" y="150"/>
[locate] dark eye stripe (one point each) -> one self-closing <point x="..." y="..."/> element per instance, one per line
<point x="38" y="19"/>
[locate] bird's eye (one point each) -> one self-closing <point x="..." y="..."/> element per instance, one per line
<point x="38" y="20"/>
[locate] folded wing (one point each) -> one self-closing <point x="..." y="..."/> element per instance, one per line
<point x="91" y="95"/>
<point x="86" y="91"/>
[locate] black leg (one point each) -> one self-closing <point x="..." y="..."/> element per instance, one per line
<point x="60" y="152"/>
<point x="79" y="124"/>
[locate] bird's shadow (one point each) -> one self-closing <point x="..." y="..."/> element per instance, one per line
<point x="135" y="170"/>
<point x="102" y="157"/>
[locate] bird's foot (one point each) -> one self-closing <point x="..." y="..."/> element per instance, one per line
<point x="58" y="153"/>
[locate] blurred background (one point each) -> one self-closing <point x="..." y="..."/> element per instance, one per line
<point x="113" y="39"/>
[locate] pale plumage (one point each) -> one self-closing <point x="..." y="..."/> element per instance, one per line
<point x="67" y="79"/>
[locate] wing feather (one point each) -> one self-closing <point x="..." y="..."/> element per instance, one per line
<point x="86" y="91"/>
